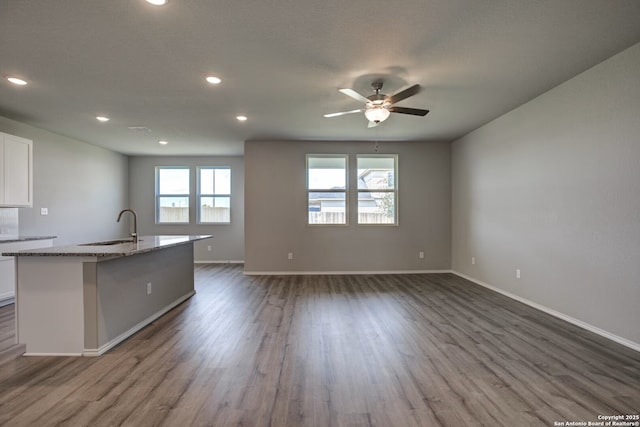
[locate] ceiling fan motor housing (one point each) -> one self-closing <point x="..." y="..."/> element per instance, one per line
<point x="377" y="102"/>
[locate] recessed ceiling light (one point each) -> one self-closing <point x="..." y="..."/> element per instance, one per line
<point x="17" y="81"/>
<point x="163" y="142"/>
<point x="102" y="118"/>
<point x="213" y="80"/>
<point x="157" y="2"/>
<point x="241" y="118"/>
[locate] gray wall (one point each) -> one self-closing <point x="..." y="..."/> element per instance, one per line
<point x="83" y="186"/>
<point x="228" y="241"/>
<point x="553" y="188"/>
<point x="276" y="211"/>
<point x="115" y="290"/>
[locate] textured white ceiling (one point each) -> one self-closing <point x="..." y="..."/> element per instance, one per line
<point x="282" y="61"/>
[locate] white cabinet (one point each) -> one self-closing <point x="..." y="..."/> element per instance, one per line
<point x="16" y="171"/>
<point x="7" y="280"/>
<point x="8" y="266"/>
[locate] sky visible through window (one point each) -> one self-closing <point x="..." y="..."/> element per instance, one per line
<point x="326" y="179"/>
<point x="215" y="181"/>
<point x="326" y="172"/>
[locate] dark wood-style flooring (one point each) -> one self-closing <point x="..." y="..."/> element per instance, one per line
<point x="388" y="350"/>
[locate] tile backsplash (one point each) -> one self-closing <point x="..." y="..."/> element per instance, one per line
<point x="9" y="221"/>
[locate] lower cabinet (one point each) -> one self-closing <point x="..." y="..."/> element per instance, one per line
<point x="8" y="266"/>
<point x="7" y="280"/>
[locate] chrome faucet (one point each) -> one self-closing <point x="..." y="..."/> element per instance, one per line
<point x="135" y="223"/>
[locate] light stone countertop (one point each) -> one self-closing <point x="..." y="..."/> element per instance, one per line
<point x="122" y="247"/>
<point x="11" y="238"/>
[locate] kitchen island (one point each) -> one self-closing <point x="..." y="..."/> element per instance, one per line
<point x="14" y="243"/>
<point x="85" y="299"/>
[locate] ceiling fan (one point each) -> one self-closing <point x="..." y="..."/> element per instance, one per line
<point x="379" y="106"/>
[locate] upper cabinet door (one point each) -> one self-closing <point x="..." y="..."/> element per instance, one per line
<point x="17" y="171"/>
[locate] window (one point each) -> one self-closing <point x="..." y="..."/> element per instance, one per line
<point x="377" y="189"/>
<point x="172" y="195"/>
<point x="214" y="195"/>
<point x="327" y="189"/>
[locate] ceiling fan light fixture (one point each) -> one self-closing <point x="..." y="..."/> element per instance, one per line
<point x="377" y="114"/>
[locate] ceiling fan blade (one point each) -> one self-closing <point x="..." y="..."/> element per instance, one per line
<point x="412" y="111"/>
<point x="355" y="95"/>
<point x="373" y="124"/>
<point x="342" y="113"/>
<point x="410" y="91"/>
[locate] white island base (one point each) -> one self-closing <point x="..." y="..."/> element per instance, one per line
<point x="85" y="305"/>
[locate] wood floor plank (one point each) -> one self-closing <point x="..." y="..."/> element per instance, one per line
<point x="341" y="350"/>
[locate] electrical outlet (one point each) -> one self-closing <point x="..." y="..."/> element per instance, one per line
<point x="290" y="256"/>
<point x="149" y="288"/>
<point x="421" y="255"/>
<point x="44" y="211"/>
<point x="517" y="273"/>
<point x="209" y="248"/>
<point x="473" y="260"/>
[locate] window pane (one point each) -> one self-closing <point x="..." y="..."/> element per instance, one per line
<point x="173" y="181"/>
<point x="327" y="173"/>
<point x="327" y="208"/>
<point x="376" y="208"/>
<point x="215" y="209"/>
<point x="173" y="209"/>
<point x="329" y="161"/>
<point x="215" y="181"/>
<point x="376" y="173"/>
<point x="206" y="181"/>
<point x="222" y="181"/>
<point x="215" y="195"/>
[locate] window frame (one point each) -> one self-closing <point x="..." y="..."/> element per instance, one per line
<point x="344" y="191"/>
<point x="394" y="190"/>
<point x="200" y="195"/>
<point x="159" y="195"/>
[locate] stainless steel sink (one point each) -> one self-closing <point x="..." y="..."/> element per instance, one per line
<point x="108" y="243"/>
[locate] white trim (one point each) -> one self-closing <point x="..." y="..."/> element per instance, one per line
<point x="89" y="352"/>
<point x="7" y="300"/>
<point x="222" y="261"/>
<point x="326" y="273"/>
<point x="620" y="340"/>
<point x="53" y="354"/>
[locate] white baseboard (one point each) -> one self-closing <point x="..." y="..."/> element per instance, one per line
<point x="333" y="273"/>
<point x="620" y="340"/>
<point x="226" y="261"/>
<point x="92" y="352"/>
<point x="53" y="354"/>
